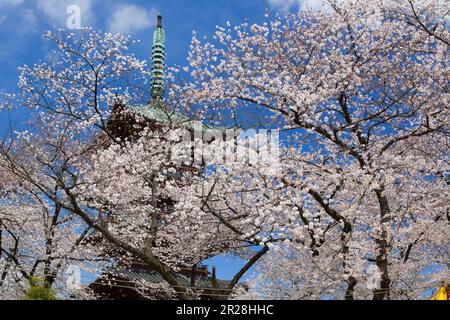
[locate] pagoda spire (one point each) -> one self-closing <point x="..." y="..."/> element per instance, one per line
<point x="158" y="58"/>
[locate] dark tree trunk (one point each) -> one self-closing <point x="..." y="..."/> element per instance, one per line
<point x="350" y="288"/>
<point x="382" y="246"/>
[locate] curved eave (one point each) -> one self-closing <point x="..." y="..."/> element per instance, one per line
<point x="161" y="113"/>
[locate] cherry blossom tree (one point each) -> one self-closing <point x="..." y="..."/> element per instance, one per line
<point x="356" y="208"/>
<point x="38" y="238"/>
<point x="361" y="91"/>
<point x="83" y="77"/>
<point x="69" y="96"/>
<point x="134" y="196"/>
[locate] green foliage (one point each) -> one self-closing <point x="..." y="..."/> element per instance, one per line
<point x="39" y="290"/>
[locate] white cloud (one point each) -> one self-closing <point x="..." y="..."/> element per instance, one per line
<point x="286" y="5"/>
<point x="130" y="18"/>
<point x="22" y="19"/>
<point x="313" y="4"/>
<point x="56" y="10"/>
<point x="283" y="5"/>
<point x="28" y="20"/>
<point x="4" y="3"/>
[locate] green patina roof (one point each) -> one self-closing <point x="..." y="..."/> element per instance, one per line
<point x="154" y="277"/>
<point x="161" y="113"/>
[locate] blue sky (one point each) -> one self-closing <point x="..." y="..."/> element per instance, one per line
<point x="22" y="23"/>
